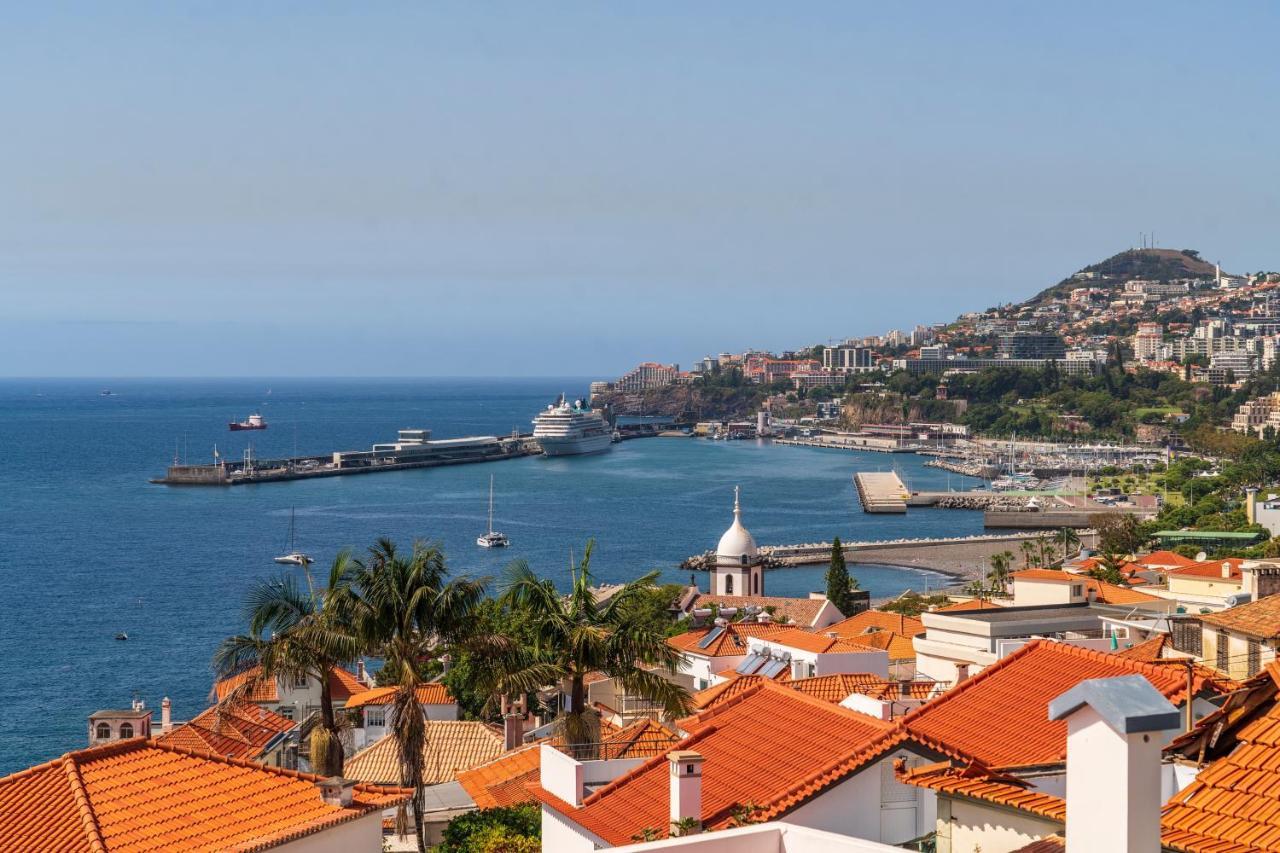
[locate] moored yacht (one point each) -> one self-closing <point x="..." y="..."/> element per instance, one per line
<point x="571" y="430"/>
<point x="492" y="538"/>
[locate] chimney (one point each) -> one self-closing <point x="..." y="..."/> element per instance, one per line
<point x="361" y="675"/>
<point x="799" y="670"/>
<point x="1226" y="569"/>
<point x="764" y="617"/>
<point x="336" y="791"/>
<point x="1250" y="504"/>
<point x="1114" y="735"/>
<point x="686" y="790"/>
<point x="512" y="722"/>
<point x="166" y="722"/>
<point x="962" y="672"/>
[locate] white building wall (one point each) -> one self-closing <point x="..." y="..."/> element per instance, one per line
<point x="965" y="826"/>
<point x="363" y="835"/>
<point x="561" y="835"/>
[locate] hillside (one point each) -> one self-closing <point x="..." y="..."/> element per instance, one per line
<point x="1151" y="264"/>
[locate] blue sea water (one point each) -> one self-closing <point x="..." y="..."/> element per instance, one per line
<point x="89" y="548"/>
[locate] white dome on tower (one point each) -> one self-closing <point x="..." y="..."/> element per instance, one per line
<point x="737" y="542"/>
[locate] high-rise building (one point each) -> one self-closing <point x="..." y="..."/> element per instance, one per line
<point x="847" y="359"/>
<point x="648" y="375"/>
<point x="1031" y="345"/>
<point x="1146" y="343"/>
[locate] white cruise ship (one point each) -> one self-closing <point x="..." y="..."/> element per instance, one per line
<point x="565" y="430"/>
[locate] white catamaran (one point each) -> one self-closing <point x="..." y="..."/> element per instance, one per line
<point x="492" y="539"/>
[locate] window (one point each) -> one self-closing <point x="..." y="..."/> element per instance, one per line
<point x="375" y="716"/>
<point x="126" y="730"/>
<point x="1255" y="658"/>
<point x="104" y="731"/>
<point x="755" y="583"/>
<point x="1077" y="590"/>
<point x="1224" y="659"/>
<point x="728" y="584"/>
<point x="744" y="559"/>
<point x="300" y="682"/>
<point x="285" y="711"/>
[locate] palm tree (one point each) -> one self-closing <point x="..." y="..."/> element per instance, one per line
<point x="406" y="610"/>
<point x="293" y="635"/>
<point x="574" y="636"/>
<point x="1069" y="539"/>
<point x="1028" y="553"/>
<point x="999" y="574"/>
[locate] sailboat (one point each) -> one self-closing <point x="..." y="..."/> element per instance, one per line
<point x="294" y="557"/>
<point x="492" y="539"/>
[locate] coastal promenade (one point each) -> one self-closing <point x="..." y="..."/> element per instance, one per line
<point x="965" y="557"/>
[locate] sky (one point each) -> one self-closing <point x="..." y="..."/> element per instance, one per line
<point x="503" y="189"/>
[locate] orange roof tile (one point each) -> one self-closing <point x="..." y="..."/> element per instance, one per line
<point x="451" y="746"/>
<point x="971" y="604"/>
<point x="1259" y="618"/>
<point x="503" y="781"/>
<point x="1103" y="592"/>
<point x="752" y="755"/>
<point x="1162" y="560"/>
<point x="900" y="648"/>
<point x="342" y="686"/>
<point x="818" y="643"/>
<point x="999" y="715"/>
<point x="801" y="611"/>
<point x="876" y="620"/>
<point x="133" y="796"/>
<point x="1211" y="570"/>
<point x="487" y="784"/>
<point x="428" y="694"/>
<point x="729" y="643"/>
<point x="241" y="730"/>
<point x="829" y="688"/>
<point x="1232" y="805"/>
<point x="981" y="783"/>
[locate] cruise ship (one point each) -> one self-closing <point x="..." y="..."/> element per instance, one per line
<point x="570" y="430"/>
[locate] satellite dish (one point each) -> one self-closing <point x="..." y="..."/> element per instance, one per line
<point x="1201" y="557"/>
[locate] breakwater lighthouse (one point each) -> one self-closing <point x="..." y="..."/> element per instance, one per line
<point x="738" y="568"/>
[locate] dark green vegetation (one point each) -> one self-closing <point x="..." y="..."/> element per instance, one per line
<point x="514" y="829"/>
<point x="839" y="582"/>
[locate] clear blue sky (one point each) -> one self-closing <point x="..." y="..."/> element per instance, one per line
<point x="524" y="188"/>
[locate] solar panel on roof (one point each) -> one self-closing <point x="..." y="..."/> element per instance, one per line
<point x="773" y="668"/>
<point x="749" y="665"/>
<point x="711" y="637"/>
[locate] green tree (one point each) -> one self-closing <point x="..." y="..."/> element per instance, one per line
<point x="293" y="635"/>
<point x="839" y="582"/>
<point x="1068" y="539"/>
<point x="471" y="831"/>
<point x="1118" y="532"/>
<point x="573" y="636"/>
<point x="999" y="574"/>
<point x="406" y="609"/>
<point x="1110" y="569"/>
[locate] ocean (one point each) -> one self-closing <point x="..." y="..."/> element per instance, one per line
<point x="90" y="549"/>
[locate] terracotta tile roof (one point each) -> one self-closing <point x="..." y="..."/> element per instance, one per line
<point x="241" y="730"/>
<point x="1149" y="650"/>
<point x="451" y="746"/>
<point x="1104" y="593"/>
<point x="428" y="694"/>
<point x="876" y="620"/>
<point x="818" y="643"/>
<point x="999" y="715"/>
<point x="342" y="685"/>
<point x="489" y="784"/>
<point x="752" y="755"/>
<point x="1163" y="560"/>
<point x="829" y="688"/>
<point x="1259" y="618"/>
<point x="133" y="796"/>
<point x="801" y="611"/>
<point x="730" y="642"/>
<point x="504" y="781"/>
<point x="982" y="783"/>
<point x="1211" y="570"/>
<point x="971" y="604"/>
<point x="1048" y="844"/>
<point x="1232" y="805"/>
<point x="900" y="648"/>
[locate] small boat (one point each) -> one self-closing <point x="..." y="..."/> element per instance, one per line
<point x="122" y="636"/>
<point x="492" y="539"/>
<point x="106" y="392"/>
<point x="294" y="557"/>
<point x="254" y="421"/>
